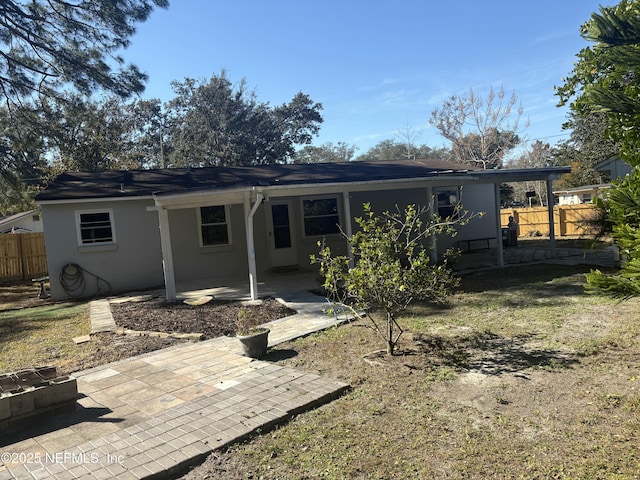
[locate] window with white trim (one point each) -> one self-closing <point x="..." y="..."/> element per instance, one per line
<point x="95" y="227"/>
<point x="320" y="216"/>
<point x="214" y="226"/>
<point x="448" y="199"/>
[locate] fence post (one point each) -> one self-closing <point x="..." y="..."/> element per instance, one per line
<point x="23" y="260"/>
<point x="552" y="220"/>
<point x="562" y="217"/>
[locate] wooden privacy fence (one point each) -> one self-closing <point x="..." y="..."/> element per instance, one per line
<point x="22" y="256"/>
<point x="569" y="220"/>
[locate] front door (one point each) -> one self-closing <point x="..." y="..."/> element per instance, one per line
<point x="282" y="234"/>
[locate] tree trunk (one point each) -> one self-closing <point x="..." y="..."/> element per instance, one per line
<point x="390" y="343"/>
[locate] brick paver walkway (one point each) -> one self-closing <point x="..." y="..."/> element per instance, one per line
<point x="151" y="415"/>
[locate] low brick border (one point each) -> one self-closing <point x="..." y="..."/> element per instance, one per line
<point x="29" y="395"/>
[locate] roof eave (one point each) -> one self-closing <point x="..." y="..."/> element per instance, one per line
<point x="180" y="199"/>
<point x="61" y="201"/>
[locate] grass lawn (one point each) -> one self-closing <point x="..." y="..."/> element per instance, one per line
<point x="39" y="335"/>
<point x="34" y="333"/>
<point x="523" y="375"/>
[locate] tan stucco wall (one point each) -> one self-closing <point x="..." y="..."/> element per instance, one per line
<point x="475" y="198"/>
<point x="134" y="262"/>
<point x="193" y="262"/>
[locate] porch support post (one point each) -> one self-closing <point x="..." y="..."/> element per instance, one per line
<point x="432" y="238"/>
<point x="498" y="218"/>
<point x="552" y="223"/>
<point x="249" y="212"/>
<point x="348" y="228"/>
<point x="167" y="255"/>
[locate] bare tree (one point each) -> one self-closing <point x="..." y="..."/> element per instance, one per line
<point x="481" y="131"/>
<point x="408" y="135"/>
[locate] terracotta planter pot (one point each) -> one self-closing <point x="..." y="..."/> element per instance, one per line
<point x="255" y="344"/>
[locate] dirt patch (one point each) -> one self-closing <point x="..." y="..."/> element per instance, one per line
<point x="107" y="347"/>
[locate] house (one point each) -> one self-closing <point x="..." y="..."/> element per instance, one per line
<point x="131" y="230"/>
<point x="24" y="222"/>
<point x="577" y="195"/>
<point x="613" y="168"/>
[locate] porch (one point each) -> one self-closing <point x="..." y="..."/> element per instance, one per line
<point x="277" y="284"/>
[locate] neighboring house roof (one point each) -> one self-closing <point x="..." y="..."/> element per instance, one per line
<point x="140" y="183"/>
<point x="606" y="164"/>
<point x="6" y="223"/>
<point x="615" y="167"/>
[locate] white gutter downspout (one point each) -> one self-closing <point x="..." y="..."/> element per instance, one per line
<point x="251" y="251"/>
<point x="167" y="255"/>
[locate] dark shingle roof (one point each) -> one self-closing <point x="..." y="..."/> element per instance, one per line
<point x="137" y="183"/>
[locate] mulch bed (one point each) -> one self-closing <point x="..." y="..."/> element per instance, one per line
<point x="214" y="319"/>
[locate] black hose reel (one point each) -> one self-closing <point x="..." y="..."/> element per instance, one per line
<point x="74" y="282"/>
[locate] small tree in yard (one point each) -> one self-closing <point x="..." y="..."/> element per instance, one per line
<point x="392" y="266"/>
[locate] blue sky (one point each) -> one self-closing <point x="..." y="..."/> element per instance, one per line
<point x="377" y="66"/>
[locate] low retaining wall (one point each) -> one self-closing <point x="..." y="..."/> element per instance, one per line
<point x="32" y="394"/>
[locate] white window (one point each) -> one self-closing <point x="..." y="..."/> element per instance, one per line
<point x="214" y="226"/>
<point x="320" y="216"/>
<point x="448" y="199"/>
<point x="95" y="227"/>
